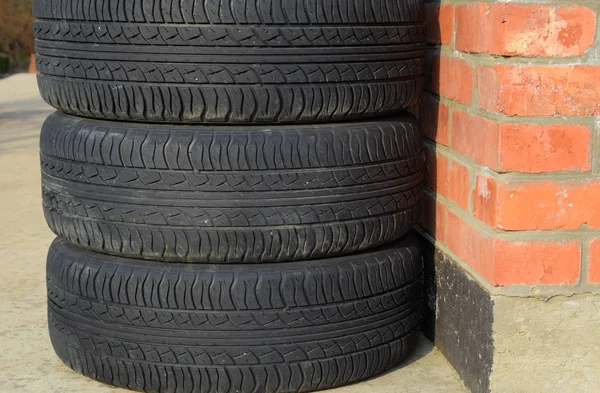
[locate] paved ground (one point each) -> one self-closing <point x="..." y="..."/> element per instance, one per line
<point x="27" y="362"/>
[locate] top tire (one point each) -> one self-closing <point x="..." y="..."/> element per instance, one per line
<point x="233" y="61"/>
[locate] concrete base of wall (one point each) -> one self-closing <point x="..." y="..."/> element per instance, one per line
<point x="511" y="344"/>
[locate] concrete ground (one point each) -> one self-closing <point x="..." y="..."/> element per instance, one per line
<point x="27" y="361"/>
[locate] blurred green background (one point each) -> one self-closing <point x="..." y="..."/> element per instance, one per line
<point x="16" y="37"/>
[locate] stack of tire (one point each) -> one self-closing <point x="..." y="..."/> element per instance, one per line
<point x="231" y="183"/>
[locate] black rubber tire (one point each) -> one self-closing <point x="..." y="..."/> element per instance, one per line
<point x="216" y="194"/>
<point x="269" y="328"/>
<point x="233" y="61"/>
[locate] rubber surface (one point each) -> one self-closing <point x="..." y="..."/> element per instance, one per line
<point x="270" y="328"/>
<point x="230" y="194"/>
<point x="238" y="61"/>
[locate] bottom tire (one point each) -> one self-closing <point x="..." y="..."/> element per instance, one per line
<point x="290" y="327"/>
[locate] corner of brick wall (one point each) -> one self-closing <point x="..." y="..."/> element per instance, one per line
<point x="512" y="120"/>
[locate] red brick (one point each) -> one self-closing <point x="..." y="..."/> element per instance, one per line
<point x="572" y="90"/>
<point x="435" y="120"/>
<point x="502" y="262"/>
<point x="475" y="137"/>
<point x="524" y="29"/>
<point x="537" y="205"/>
<point x="521" y="147"/>
<point x="433" y="217"/>
<point x="440" y="23"/>
<point x="484" y="200"/>
<point x="594" y="262"/>
<point x="452" y="78"/>
<point x="536" y="148"/>
<point x="469" y="245"/>
<point x="448" y="178"/>
<point x="536" y="262"/>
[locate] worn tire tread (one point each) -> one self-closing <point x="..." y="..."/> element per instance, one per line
<point x="230" y="194"/>
<point x="273" y="328"/>
<point x="243" y="61"/>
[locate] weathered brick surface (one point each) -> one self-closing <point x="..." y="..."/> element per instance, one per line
<point x="510" y="147"/>
<point x="436" y="121"/>
<point x="540" y="205"/>
<point x="507" y="262"/>
<point x="530" y="148"/>
<point x="524" y="29"/>
<point x="452" y="78"/>
<point x="512" y="151"/>
<point x="475" y="137"/>
<point x="440" y="23"/>
<point x="540" y="262"/>
<point x="537" y="148"/>
<point x="471" y="246"/>
<point x="515" y="90"/>
<point x="448" y="177"/>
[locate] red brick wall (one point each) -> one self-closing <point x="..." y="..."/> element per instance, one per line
<point x="512" y="117"/>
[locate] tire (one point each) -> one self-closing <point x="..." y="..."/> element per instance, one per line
<point x="234" y="61"/>
<point x="230" y="194"/>
<point x="272" y="328"/>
